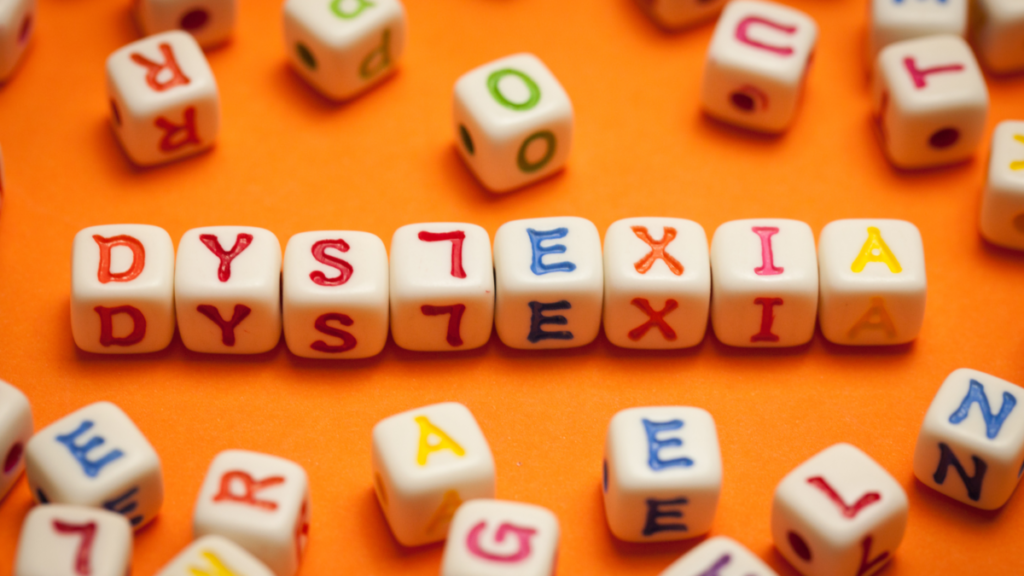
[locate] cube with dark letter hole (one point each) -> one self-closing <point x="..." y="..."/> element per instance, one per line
<point x="15" y="432"/>
<point x="17" y="23"/>
<point x="63" y="540"/>
<point x="719" y="556"/>
<point x="214" y="556"/>
<point x="1002" y="204"/>
<point x="210" y="22"/>
<point x="501" y="538"/>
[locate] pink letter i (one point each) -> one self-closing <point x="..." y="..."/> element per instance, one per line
<point x="767" y="267"/>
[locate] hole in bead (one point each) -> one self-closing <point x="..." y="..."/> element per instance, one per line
<point x="467" y="140"/>
<point x="799" y="546"/>
<point x="13" y="457"/>
<point x="305" y="55"/>
<point x="194" y="19"/>
<point x="41" y="496"/>
<point x="25" y="30"/>
<point x="115" y="112"/>
<point x="944" y="138"/>
<point x="742" y="101"/>
<point x="605" y="473"/>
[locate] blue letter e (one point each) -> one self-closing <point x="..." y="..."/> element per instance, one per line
<point x="537" y="265"/>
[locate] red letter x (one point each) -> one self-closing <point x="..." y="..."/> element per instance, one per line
<point x="251" y="486"/>
<point x="154" y="69"/>
<point x="167" y="143"/>
<point x="920" y="77"/>
<point x="657" y="250"/>
<point x="242" y="242"/>
<point x="657" y="318"/>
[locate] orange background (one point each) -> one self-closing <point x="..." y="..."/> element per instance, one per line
<point x="290" y="161"/>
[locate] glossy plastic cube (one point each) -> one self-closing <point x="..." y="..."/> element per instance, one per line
<point x="15" y="432"/>
<point x="996" y="36"/>
<point x="1002" y="203"/>
<point x="17" y="23"/>
<point x="897" y="20"/>
<point x="210" y="22"/>
<point x="214" y="555"/>
<point x="501" y="538"/>
<point x="719" y="556"/>
<point x="63" y="540"/>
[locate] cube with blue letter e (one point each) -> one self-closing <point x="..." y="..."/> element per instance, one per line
<point x="719" y="556"/>
<point x="971" y="444"/>
<point x="550" y="282"/>
<point x="662" y="473"/>
<point x="501" y="538"/>
<point x="838" y="514"/>
<point x="897" y="20"/>
<point x="96" y="457"/>
<point x="426" y="463"/>
<point x="15" y="432"/>
<point x="65" y="540"/>
<point x="214" y="556"/>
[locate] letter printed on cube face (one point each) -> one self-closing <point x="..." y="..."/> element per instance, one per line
<point x="164" y="103"/>
<point x="898" y="20"/>
<point x="62" y="540"/>
<point x="122" y="289"/>
<point x="657" y="283"/>
<point x="344" y="47"/>
<point x="426" y="463"/>
<point x="227" y="290"/>
<point x="662" y="473"/>
<point x="550" y="282"/>
<point x="971" y="444"/>
<point x="1002" y="204"/>
<point x="996" y="38"/>
<point x="873" y="283"/>
<point x="838" y="514"/>
<point x="260" y="502"/>
<point x="96" y="456"/>
<point x="442" y="287"/>
<point x="335" y="301"/>
<point x="15" y="432"/>
<point x="757" y="64"/>
<point x="214" y="556"/>
<point x="678" y="14"/>
<point x="501" y="538"/>
<point x="765" y="283"/>
<point x="930" y="101"/>
<point x="513" y="122"/>
<point x="210" y="22"/>
<point x="16" y="27"/>
<point x="719" y="556"/>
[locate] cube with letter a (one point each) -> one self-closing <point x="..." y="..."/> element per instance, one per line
<point x="501" y="538"/>
<point x="122" y="289"/>
<point x="164" y="103"/>
<point x="873" y="283"/>
<point x="64" y="540"/>
<point x="214" y="556"/>
<point x="426" y="463"/>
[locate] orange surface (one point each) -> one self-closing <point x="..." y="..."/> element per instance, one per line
<point x="290" y="161"/>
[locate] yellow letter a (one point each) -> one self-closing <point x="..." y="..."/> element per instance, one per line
<point x="219" y="569"/>
<point x="876" y="317"/>
<point x="450" y="502"/>
<point x="876" y="250"/>
<point x="444" y="441"/>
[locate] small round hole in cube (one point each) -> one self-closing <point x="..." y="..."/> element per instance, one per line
<point x="13" y="457"/>
<point x="194" y="19"/>
<point x="944" y="138"/>
<point x="305" y="55"/>
<point x="467" y="140"/>
<point x="742" y="101"/>
<point x="25" y="30"/>
<point x="116" y="112"/>
<point x="799" y="546"/>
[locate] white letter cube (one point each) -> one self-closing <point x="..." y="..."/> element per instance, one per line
<point x="765" y="283"/>
<point x="217" y="556"/>
<point x="164" y="102"/>
<point x="501" y="538"/>
<point x="838" y="514"/>
<point x="16" y="27"/>
<point x="897" y="20"/>
<point x="210" y="22"/>
<point x="15" y="432"/>
<point x="335" y="299"/>
<point x="96" y="457"/>
<point x="122" y="289"/>
<point x="1002" y="205"/>
<point x="61" y="540"/>
<point x="513" y="122"/>
<point x="873" y="283"/>
<point x="719" y="556"/>
<point x="227" y="289"/>
<point x="427" y="462"/>
<point x="997" y="36"/>
<point x="550" y="282"/>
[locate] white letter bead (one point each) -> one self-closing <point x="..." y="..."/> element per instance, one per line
<point x="1002" y="205"/>
<point x="335" y="301"/>
<point x="426" y="462"/>
<point x="344" y="47"/>
<point x="163" y="98"/>
<point x="210" y="22"/>
<point x="97" y="457"/>
<point x="997" y="35"/>
<point x="16" y="27"/>
<point x="838" y="514"/>
<point x="550" y="282"/>
<point x="971" y="445"/>
<point x="765" y="282"/>
<point x="873" y="284"/>
<point x="216" y="556"/>
<point x="678" y="14"/>
<point x="442" y="286"/>
<point x="15" y="432"/>
<point x="513" y="122"/>
<point x="657" y="283"/>
<point x="260" y="502"/>
<point x="122" y="289"/>
<point x="227" y="290"/>
<point x="930" y="101"/>
<point x="662" y="473"/>
<point x="756" y="65"/>
<point x="898" y="20"/>
<point x="59" y="540"/>
<point x="719" y="556"/>
<point x="501" y="538"/>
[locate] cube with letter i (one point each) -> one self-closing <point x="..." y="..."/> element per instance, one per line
<point x="214" y="556"/>
<point x="930" y="101"/>
<point x="17" y="22"/>
<point x="897" y="20"/>
<point x="1002" y="204"/>
<point x="344" y="47"/>
<point x="757" y="64"/>
<point x="442" y="287"/>
<point x="550" y="282"/>
<point x="210" y="22"/>
<point x="122" y="289"/>
<point x="996" y="37"/>
<point x="657" y="283"/>
<point x="679" y="14"/>
<point x="97" y="457"/>
<point x="971" y="444"/>
<point x="501" y="538"/>
<point x="838" y="514"/>
<point x="426" y="463"/>
<point x="227" y="290"/>
<point x="335" y="294"/>
<point x="513" y="122"/>
<point x="15" y="432"/>
<point x="873" y="283"/>
<point x="260" y="502"/>
<point x="62" y="540"/>
<point x="719" y="556"/>
<point x="662" y="473"/>
<point x="164" y="103"/>
<point x="765" y="283"/>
